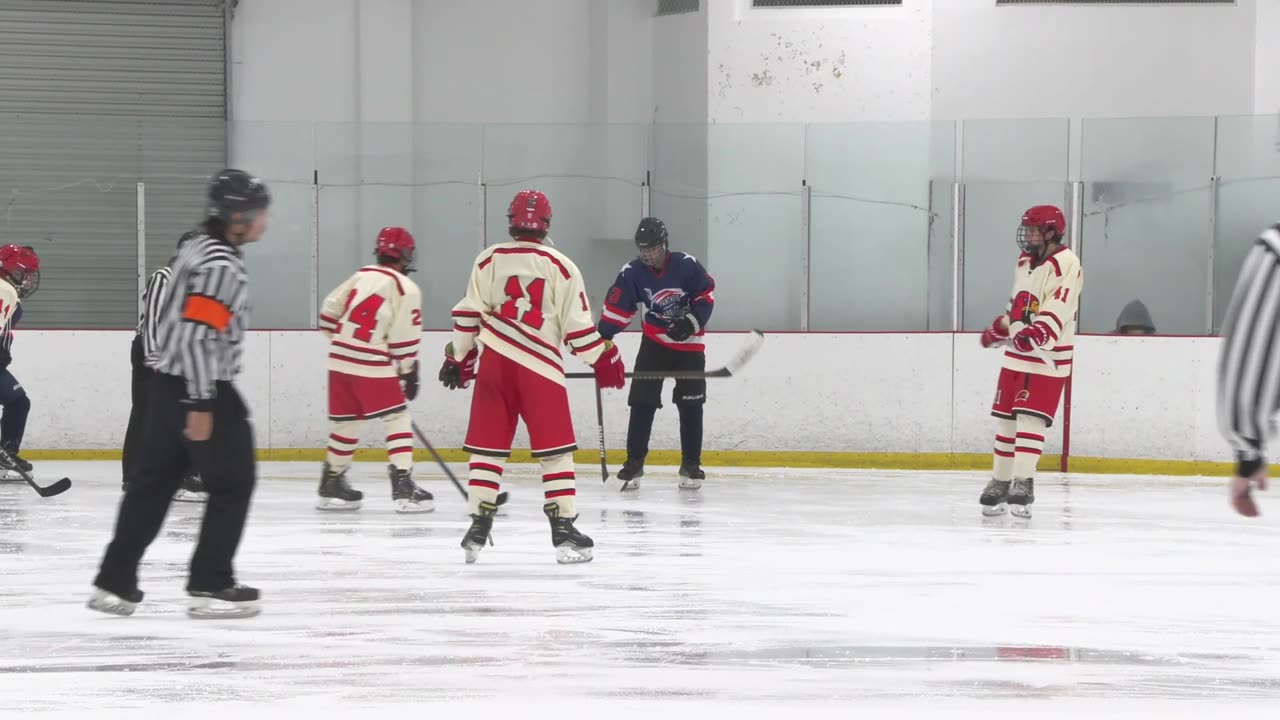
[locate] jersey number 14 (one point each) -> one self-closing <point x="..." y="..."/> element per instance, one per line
<point x="364" y="316"/>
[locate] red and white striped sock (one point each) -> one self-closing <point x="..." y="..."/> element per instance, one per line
<point x="1002" y="455"/>
<point x="1029" y="445"/>
<point x="559" y="484"/>
<point x="344" y="436"/>
<point x="400" y="440"/>
<point x="483" y="481"/>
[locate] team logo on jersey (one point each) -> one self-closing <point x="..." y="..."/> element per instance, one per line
<point x="615" y="294"/>
<point x="1024" y="307"/>
<point x="1022" y="396"/>
<point x="668" y="303"/>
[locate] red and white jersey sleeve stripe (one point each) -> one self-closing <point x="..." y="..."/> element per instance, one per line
<point x="616" y="315"/>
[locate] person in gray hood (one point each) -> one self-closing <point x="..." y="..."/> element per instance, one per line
<point x="1134" y="319"/>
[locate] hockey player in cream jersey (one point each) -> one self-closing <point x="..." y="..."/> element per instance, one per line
<point x="524" y="301"/>
<point x="373" y="322"/>
<point x="1038" y="329"/>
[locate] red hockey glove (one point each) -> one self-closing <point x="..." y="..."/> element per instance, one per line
<point x="1031" y="337"/>
<point x="458" y="373"/>
<point x="997" y="333"/>
<point x="610" y="372"/>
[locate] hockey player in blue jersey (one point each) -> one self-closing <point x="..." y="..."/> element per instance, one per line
<point x="677" y="294"/>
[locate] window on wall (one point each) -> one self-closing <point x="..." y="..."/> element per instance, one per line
<point x="820" y="3"/>
<point x="676" y="7"/>
<point x="1115" y="2"/>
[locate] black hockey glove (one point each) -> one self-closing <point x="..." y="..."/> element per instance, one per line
<point x="683" y="328"/>
<point x="409" y="382"/>
<point x="5" y="357"/>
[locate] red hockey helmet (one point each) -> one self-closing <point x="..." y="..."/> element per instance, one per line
<point x="1042" y="218"/>
<point x="398" y="244"/>
<point x="20" y="265"/>
<point x="529" y="214"/>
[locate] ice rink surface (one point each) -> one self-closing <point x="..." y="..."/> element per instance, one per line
<point x="827" y="593"/>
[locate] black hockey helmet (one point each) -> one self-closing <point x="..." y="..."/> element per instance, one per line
<point x="651" y="240"/>
<point x="236" y="196"/>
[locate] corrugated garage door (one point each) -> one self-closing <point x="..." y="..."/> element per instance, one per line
<point x="95" y="96"/>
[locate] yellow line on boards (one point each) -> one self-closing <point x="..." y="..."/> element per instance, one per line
<point x="749" y="458"/>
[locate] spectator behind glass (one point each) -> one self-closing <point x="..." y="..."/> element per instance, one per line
<point x="1134" y="319"/>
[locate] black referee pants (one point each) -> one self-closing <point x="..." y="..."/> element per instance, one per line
<point x="226" y="464"/>
<point x="137" y="412"/>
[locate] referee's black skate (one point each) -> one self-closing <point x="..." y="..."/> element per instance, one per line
<point x="631" y="472"/>
<point x="105" y="601"/>
<point x="571" y="545"/>
<point x="192" y="490"/>
<point x="1021" y="496"/>
<point x="237" y="601"/>
<point x="691" y="475"/>
<point x="995" y="497"/>
<point x="478" y="534"/>
<point x="336" y="493"/>
<point x="408" y="497"/>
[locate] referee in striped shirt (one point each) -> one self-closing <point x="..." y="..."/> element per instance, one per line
<point x="1249" y="368"/>
<point x="195" y="416"/>
<point x="144" y="343"/>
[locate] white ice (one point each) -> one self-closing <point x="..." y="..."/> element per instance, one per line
<point x="827" y="593"/>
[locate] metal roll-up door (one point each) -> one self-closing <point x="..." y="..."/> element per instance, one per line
<point x="95" y="97"/>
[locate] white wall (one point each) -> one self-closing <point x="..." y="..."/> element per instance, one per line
<point x="442" y="61"/>
<point x="818" y="65"/>
<point x="1266" y="74"/>
<point x="968" y="59"/>
<point x="1039" y="61"/>
<point x="900" y="393"/>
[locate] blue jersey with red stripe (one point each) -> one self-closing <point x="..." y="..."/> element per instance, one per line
<point x="680" y="287"/>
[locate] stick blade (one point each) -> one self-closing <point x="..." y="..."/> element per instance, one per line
<point x="56" y="488"/>
<point x="754" y="342"/>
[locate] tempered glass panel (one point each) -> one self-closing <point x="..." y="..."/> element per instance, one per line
<point x="753" y="224"/>
<point x="1248" y="163"/>
<point x="1146" y="233"/>
<point x="870" y="226"/>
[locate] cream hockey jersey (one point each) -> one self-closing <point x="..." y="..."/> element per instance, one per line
<point x="524" y="300"/>
<point x="374" y="323"/>
<point x="1048" y="294"/>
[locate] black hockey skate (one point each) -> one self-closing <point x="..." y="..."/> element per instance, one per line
<point x="105" y="601"/>
<point x="691" y="475"/>
<point x="478" y="534"/>
<point x="336" y="493"/>
<point x="571" y="545"/>
<point x="630" y="473"/>
<point x="994" y="498"/>
<point x="1021" y="496"/>
<point x="237" y="601"/>
<point x="192" y="490"/>
<point x="408" y="497"/>
<point x="12" y="466"/>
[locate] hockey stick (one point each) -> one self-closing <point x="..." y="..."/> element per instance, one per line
<point x="604" y="467"/>
<point x="731" y="368"/>
<point x="502" y="496"/>
<point x="56" y="488"/>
